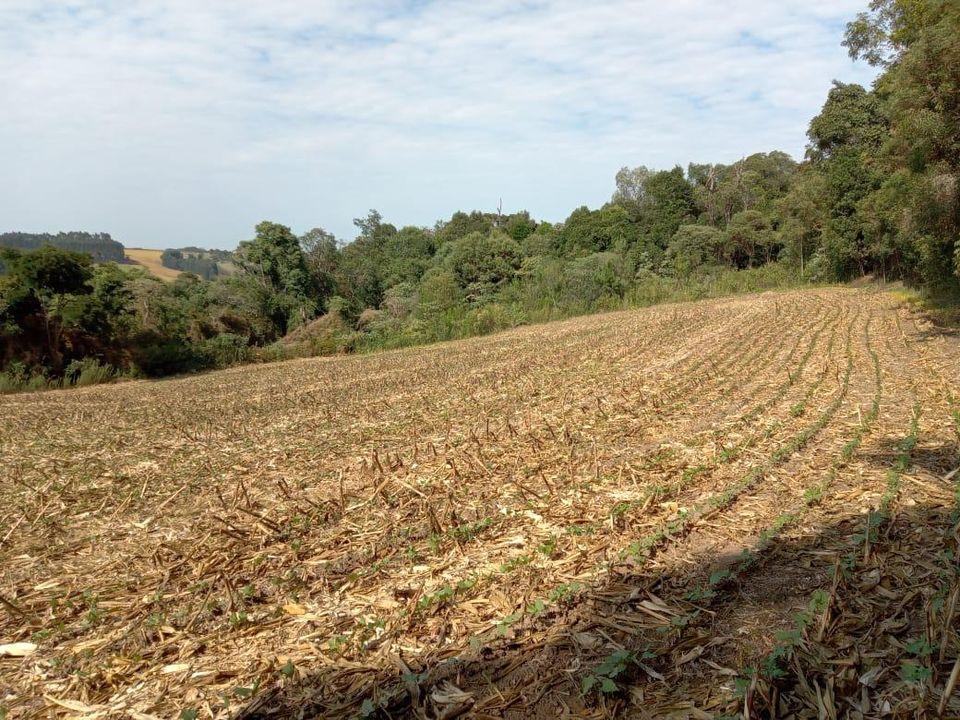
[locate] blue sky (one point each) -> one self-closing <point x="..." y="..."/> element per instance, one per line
<point x="186" y="122"/>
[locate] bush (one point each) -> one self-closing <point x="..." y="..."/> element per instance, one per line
<point x="589" y="279"/>
<point x="79" y="373"/>
<point x="225" y="350"/>
<point x="167" y="357"/>
<point x="388" y="333"/>
<point x="488" y="319"/>
<point x="19" y="378"/>
<point x="368" y="317"/>
<point x="89" y="371"/>
<point x="482" y="263"/>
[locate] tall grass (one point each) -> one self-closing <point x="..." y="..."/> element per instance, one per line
<point x="79" y="373"/>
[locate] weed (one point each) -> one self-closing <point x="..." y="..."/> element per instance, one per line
<point x="515" y="563"/>
<point x="603" y="677"/>
<point x="549" y="547"/>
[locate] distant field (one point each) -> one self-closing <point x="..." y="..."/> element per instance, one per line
<point x="150" y="259"/>
<point x="675" y="512"/>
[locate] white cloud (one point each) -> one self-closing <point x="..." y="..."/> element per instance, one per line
<point x="170" y="122"/>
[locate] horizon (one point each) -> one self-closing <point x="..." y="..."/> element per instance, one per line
<point x="169" y="125"/>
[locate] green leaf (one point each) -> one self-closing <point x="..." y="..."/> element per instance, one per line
<point x="586" y="685"/>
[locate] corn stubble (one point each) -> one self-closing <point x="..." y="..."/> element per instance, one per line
<point x="735" y="508"/>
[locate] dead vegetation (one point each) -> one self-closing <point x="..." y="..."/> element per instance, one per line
<point x="736" y="508"/>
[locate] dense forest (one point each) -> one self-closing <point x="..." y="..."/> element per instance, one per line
<point x="100" y="246"/>
<point x="877" y="193"/>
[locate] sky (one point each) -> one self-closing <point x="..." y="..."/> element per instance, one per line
<point x="185" y="122"/>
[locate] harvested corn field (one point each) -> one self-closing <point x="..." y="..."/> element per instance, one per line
<point x="744" y="507"/>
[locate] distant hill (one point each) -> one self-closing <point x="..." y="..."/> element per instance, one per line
<point x="100" y="246"/>
<point x="208" y="264"/>
<point x="149" y="259"/>
<point x="164" y="264"/>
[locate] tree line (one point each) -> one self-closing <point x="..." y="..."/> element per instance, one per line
<point x="204" y="263"/>
<point x="100" y="246"/>
<point x="876" y="193"/>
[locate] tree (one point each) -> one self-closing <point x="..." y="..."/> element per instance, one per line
<point x="659" y="202"/>
<point x="918" y="43"/>
<point x="845" y="150"/>
<point x="519" y="226"/>
<point x="590" y="231"/>
<point x="749" y="239"/>
<point x="755" y="182"/>
<point x="482" y="264"/>
<point x="275" y="261"/>
<point x="631" y="192"/>
<point x="439" y="299"/>
<point x="804" y="213"/>
<point x="407" y="255"/>
<point x="601" y="275"/>
<point x="668" y="205"/>
<point x="692" y="246"/>
<point x="462" y="224"/>
<point x="38" y="297"/>
<point x="322" y="257"/>
<point x="851" y="121"/>
<point x="51" y="272"/>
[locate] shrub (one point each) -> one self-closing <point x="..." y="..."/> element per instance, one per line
<point x="368" y="317"/>
<point x="489" y="319"/>
<point x="225" y="350"/>
<point x="590" y="278"/>
<point x="167" y="357"/>
<point x="89" y="371"/>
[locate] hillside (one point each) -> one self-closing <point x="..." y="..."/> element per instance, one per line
<point x="150" y="259"/>
<point x="712" y="505"/>
<point x="100" y="246"/>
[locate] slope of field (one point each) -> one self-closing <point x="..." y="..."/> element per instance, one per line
<point x="742" y="507"/>
<point x="150" y="259"/>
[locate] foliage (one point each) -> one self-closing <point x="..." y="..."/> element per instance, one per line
<point x="194" y="260"/>
<point x="603" y="677"/>
<point x="481" y="264"/>
<point x="100" y="246"/>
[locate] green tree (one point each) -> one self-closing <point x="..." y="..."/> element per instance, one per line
<point x="462" y="224"/>
<point x="668" y="205"/>
<point x="519" y="226"/>
<point x="749" y="240"/>
<point x="692" y="246"/>
<point x="804" y="213"/>
<point x="482" y="264"/>
<point x="440" y="300"/>
<point x="274" y="261"/>
<point x="590" y="231"/>
<point x="918" y="44"/>
<point x="322" y="257"/>
<point x="407" y="255"/>
<point x="589" y="279"/>
<point x="845" y="147"/>
<point x="631" y="192"/>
